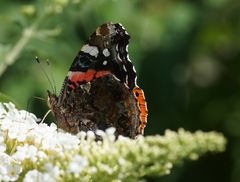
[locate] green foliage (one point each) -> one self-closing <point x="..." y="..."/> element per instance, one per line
<point x="5" y="98"/>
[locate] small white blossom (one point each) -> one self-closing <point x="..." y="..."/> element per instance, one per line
<point x="82" y="135"/>
<point x="104" y="167"/>
<point x="33" y="175"/>
<point x="110" y="133"/>
<point x="2" y="144"/>
<point x="91" y="136"/>
<point x="26" y="152"/>
<point x="77" y="164"/>
<point x="13" y="171"/>
<point x="9" y="169"/>
<point x="52" y="170"/>
<point x="3" y="111"/>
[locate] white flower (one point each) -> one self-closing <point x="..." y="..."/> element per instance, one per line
<point x="52" y="170"/>
<point x="17" y="123"/>
<point x="27" y="152"/>
<point x="104" y="167"/>
<point x="101" y="133"/>
<point x="26" y="146"/>
<point x="82" y="135"/>
<point x="2" y="144"/>
<point x="77" y="164"/>
<point x="5" y="161"/>
<point x="46" y="177"/>
<point x="3" y="111"/>
<point x="67" y="141"/>
<point x="110" y="131"/>
<point x="33" y="175"/>
<point x="13" y="171"/>
<point x="9" y="169"/>
<point x="47" y="138"/>
<point x="91" y="136"/>
<point x="36" y="176"/>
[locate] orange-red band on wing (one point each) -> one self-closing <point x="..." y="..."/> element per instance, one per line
<point x="78" y="77"/>
<point x="102" y="73"/>
<point x="139" y="94"/>
<point x="89" y="75"/>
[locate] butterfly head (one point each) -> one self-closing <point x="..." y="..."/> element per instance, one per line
<point x="52" y="100"/>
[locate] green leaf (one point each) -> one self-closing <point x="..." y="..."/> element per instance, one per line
<point x="6" y="98"/>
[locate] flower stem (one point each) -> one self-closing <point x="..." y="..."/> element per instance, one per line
<point x="13" y="54"/>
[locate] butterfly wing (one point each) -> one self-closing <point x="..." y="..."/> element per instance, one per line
<point x="106" y="52"/>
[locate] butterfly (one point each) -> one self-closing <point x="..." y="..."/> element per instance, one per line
<point x="100" y="89"/>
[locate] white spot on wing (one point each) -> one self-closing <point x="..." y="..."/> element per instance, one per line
<point x="124" y="68"/>
<point x="121" y="26"/>
<point x="135" y="81"/>
<point x="127" y="48"/>
<point x="105" y="63"/>
<point x="106" y="52"/>
<point x="118" y="56"/>
<point x="127" y="79"/>
<point x="128" y="58"/>
<point x="116" y="78"/>
<point x="134" y="69"/>
<point x="72" y="73"/>
<point x="92" y="50"/>
<point x="69" y="73"/>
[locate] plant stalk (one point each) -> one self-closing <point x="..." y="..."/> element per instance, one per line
<point x="16" y="50"/>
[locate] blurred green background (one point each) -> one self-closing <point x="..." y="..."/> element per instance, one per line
<point x="186" y="54"/>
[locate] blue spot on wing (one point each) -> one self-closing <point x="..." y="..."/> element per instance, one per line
<point x="82" y="62"/>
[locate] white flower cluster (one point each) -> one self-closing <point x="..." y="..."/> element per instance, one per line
<point x="37" y="152"/>
<point x="26" y="146"/>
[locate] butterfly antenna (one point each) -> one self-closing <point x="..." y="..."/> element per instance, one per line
<point x="52" y="77"/>
<point x="30" y="100"/>
<point x="28" y="104"/>
<point x="45" y="74"/>
<point x="44" y="117"/>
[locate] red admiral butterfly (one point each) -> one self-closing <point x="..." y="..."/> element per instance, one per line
<point x="100" y="89"/>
